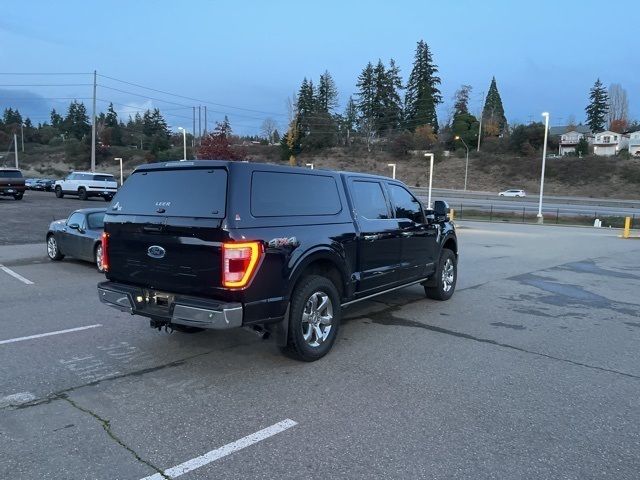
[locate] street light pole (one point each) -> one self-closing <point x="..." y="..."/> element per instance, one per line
<point x="22" y="136"/>
<point x="466" y="164"/>
<point x="430" y="178"/>
<point x="15" y="146"/>
<point x="393" y="171"/>
<point x="184" y="142"/>
<point x="121" y="176"/>
<point x="544" y="160"/>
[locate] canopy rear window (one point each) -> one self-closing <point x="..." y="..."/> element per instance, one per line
<point x="104" y="178"/>
<point x="193" y="192"/>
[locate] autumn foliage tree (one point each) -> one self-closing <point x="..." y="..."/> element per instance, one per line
<point x="217" y="146"/>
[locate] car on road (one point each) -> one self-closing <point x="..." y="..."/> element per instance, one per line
<point x="43" y="185"/>
<point x="514" y="192"/>
<point x="78" y="236"/>
<point x="280" y="250"/>
<point x="12" y="183"/>
<point x="87" y="184"/>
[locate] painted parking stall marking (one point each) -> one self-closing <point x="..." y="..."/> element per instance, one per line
<point x="48" y="334"/>
<point x="15" y="275"/>
<point x="225" y="450"/>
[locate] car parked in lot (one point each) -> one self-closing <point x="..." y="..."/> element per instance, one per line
<point x="12" y="183"/>
<point x="514" y="192"/>
<point x="43" y="185"/>
<point x="87" y="184"/>
<point x="30" y="182"/>
<point x="78" y="236"/>
<point x="216" y="244"/>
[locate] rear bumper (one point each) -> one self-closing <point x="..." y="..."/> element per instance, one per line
<point x="5" y="190"/>
<point x="171" y="308"/>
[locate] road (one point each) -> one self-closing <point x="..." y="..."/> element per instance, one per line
<point x="552" y="205"/>
<point x="530" y="371"/>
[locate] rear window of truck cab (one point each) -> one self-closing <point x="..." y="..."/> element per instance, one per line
<point x="180" y="192"/>
<point x="10" y="174"/>
<point x="281" y="194"/>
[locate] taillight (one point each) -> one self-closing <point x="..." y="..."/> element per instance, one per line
<point x="239" y="262"/>
<point x="105" y="251"/>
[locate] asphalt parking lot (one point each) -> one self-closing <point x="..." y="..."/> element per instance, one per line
<point x="531" y="370"/>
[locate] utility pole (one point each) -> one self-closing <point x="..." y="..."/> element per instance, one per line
<point x="15" y="146"/>
<point x="193" y="140"/>
<point x="93" y="126"/>
<point x="205" y="120"/>
<point x="199" y="125"/>
<point x="22" y="136"/>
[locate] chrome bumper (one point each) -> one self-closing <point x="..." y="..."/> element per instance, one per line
<point x="173" y="308"/>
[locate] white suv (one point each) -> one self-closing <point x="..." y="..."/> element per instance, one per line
<point x="513" y="193"/>
<point x="87" y="184"/>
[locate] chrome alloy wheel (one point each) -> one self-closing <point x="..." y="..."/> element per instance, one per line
<point x="448" y="275"/>
<point x="317" y="319"/>
<point x="52" y="247"/>
<point x="99" y="258"/>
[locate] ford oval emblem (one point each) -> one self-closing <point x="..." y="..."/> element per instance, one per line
<point x="156" y="251"/>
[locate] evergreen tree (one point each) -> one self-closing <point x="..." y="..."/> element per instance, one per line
<point x="111" y="119"/>
<point x="56" y="119"/>
<point x="495" y="123"/>
<point x="366" y="102"/>
<point x="11" y="117"/>
<point x="422" y="94"/>
<point x="582" y="148"/>
<point x="598" y="107"/>
<point x="327" y="98"/>
<point x="76" y="123"/>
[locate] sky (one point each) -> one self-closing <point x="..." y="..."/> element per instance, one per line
<point x="245" y="58"/>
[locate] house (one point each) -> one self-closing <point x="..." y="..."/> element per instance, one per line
<point x="634" y="143"/>
<point x="607" y="143"/>
<point x="569" y="141"/>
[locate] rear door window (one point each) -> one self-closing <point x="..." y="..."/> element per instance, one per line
<point x="103" y="178"/>
<point x="369" y="200"/>
<point x="193" y="192"/>
<point x="279" y="194"/>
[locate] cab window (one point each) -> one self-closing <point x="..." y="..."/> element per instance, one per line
<point x="405" y="205"/>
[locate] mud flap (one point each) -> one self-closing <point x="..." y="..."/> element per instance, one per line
<point x="280" y="330"/>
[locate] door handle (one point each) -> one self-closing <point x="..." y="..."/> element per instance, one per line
<point x="371" y="238"/>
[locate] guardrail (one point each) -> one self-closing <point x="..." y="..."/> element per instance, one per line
<point x="527" y="214"/>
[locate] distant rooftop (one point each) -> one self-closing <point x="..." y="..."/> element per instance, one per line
<point x="560" y="129"/>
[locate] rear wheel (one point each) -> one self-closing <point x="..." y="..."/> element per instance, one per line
<point x="18" y="196"/>
<point x="444" y="280"/>
<point x="58" y="191"/>
<point x="53" y="252"/>
<point x="82" y="193"/>
<point x="98" y="257"/>
<point x="108" y="198"/>
<point x="314" y="319"/>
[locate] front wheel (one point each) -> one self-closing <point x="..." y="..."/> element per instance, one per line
<point x="314" y="319"/>
<point x="443" y="284"/>
<point x="53" y="251"/>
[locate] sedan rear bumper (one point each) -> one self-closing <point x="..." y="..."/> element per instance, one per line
<point x="171" y="308"/>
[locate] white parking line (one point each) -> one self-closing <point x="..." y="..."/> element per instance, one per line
<point x="48" y="334"/>
<point x="16" y="275"/>
<point x="225" y="450"/>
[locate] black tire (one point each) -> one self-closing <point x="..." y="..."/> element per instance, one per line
<point x="58" y="191"/>
<point x="53" y="250"/>
<point x="18" y="196"/>
<point x="82" y="193"/>
<point x="300" y="345"/>
<point x="108" y="198"/>
<point x="443" y="284"/>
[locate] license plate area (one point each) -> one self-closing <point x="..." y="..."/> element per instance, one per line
<point x="159" y="303"/>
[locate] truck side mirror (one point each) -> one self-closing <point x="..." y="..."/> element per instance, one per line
<point x="441" y="210"/>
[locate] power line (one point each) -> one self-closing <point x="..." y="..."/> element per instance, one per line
<point x="191" y="98"/>
<point x="45" y="73"/>
<point x="47" y="85"/>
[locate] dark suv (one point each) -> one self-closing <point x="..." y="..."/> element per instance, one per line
<point x="216" y="244"/>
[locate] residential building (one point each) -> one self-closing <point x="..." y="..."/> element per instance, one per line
<point x="607" y="143"/>
<point x="634" y="143"/>
<point x="569" y="141"/>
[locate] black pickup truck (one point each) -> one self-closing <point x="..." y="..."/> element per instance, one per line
<point x="216" y="244"/>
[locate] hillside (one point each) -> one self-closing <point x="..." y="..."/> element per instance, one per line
<point x="589" y="176"/>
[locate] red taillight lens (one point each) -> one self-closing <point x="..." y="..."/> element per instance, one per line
<point x="239" y="262"/>
<point x="105" y="251"/>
